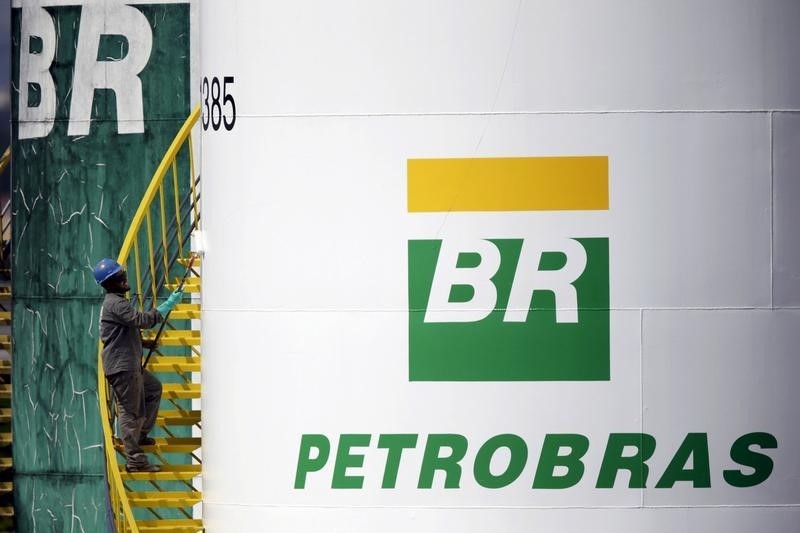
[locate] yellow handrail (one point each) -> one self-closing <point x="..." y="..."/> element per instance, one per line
<point x="5" y="159"/>
<point x="116" y="490"/>
<point x="5" y="210"/>
<point x="120" y="505"/>
<point x="156" y="182"/>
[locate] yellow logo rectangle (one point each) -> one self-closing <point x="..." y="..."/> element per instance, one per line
<point x="508" y="184"/>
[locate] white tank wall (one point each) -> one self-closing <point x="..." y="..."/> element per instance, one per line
<point x="305" y="303"/>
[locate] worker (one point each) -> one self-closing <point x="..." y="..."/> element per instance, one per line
<point x="138" y="392"/>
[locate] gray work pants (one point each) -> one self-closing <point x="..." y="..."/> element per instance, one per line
<point x="138" y="395"/>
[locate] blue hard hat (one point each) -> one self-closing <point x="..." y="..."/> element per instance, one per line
<point x="105" y="269"/>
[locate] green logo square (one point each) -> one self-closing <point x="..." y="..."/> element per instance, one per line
<point x="486" y="310"/>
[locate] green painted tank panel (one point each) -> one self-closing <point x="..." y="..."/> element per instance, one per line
<point x="73" y="199"/>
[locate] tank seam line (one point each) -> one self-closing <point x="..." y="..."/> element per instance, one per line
<point x="525" y="112"/>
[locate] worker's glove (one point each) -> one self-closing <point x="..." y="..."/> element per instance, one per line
<point x="167" y="306"/>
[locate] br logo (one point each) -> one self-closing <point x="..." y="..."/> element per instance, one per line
<point x="491" y="308"/>
<point x="113" y="43"/>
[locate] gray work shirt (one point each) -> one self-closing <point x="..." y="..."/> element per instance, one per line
<point x="120" y="322"/>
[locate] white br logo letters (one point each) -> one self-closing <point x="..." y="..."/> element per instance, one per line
<point x="527" y="279"/>
<point x="122" y="77"/>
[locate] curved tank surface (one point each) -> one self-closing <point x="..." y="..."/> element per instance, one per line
<point x="501" y="266"/>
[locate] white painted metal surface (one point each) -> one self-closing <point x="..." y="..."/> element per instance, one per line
<point x="306" y="324"/>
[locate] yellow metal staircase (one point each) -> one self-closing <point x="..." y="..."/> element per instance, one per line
<point x="6" y="460"/>
<point x="156" y="253"/>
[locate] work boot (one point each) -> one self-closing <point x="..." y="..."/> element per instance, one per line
<point x="147" y="467"/>
<point x="144" y="440"/>
<point x="139" y="463"/>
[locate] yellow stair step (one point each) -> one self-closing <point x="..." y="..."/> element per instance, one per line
<point x="5" y="366"/>
<point x="174" y="417"/>
<point x="5" y="291"/>
<point x="5" y="439"/>
<point x="168" y="473"/>
<point x="6" y="463"/>
<point x="6" y="511"/>
<point x="5" y="391"/>
<point x="6" y="487"/>
<point x="187" y="525"/>
<point x="180" y="390"/>
<point x="169" y="445"/>
<point x="192" y="285"/>
<point x="5" y="342"/>
<point x="185" y="312"/>
<point x="177" y="363"/>
<point x="5" y="415"/>
<point x="5" y="317"/>
<point x="185" y="261"/>
<point x="175" y="337"/>
<point x="164" y="499"/>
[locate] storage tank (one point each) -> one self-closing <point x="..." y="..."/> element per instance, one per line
<point x="501" y="266"/>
